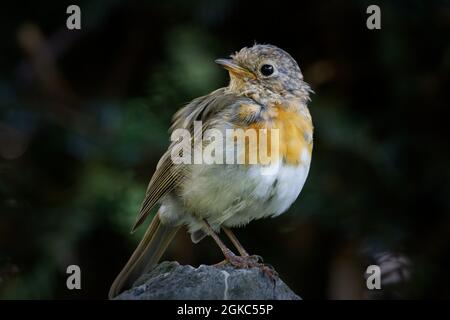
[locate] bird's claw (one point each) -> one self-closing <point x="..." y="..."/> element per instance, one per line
<point x="253" y="261"/>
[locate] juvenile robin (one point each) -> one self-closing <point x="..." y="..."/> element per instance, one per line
<point x="266" y="92"/>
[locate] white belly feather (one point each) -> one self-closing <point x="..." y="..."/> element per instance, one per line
<point x="233" y="195"/>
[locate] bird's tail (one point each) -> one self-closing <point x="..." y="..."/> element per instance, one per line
<point x="146" y="256"/>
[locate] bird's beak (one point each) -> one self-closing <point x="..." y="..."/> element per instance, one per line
<point x="235" y="69"/>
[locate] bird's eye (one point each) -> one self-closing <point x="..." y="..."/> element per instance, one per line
<point x="266" y="69"/>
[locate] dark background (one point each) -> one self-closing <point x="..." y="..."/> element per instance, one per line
<point x="84" y="118"/>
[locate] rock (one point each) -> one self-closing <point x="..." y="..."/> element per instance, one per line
<point x="172" y="281"/>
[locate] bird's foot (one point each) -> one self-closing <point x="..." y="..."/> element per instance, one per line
<point x="253" y="261"/>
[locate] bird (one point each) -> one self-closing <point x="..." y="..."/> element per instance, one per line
<point x="267" y="93"/>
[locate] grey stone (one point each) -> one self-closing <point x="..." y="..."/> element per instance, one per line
<point x="172" y="281"/>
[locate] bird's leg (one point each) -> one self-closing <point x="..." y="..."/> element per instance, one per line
<point x="239" y="246"/>
<point x="226" y="252"/>
<point x="235" y="241"/>
<point x="230" y="257"/>
<point x="244" y="261"/>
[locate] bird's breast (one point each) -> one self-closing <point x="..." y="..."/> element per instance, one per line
<point x="235" y="193"/>
<point x="282" y="133"/>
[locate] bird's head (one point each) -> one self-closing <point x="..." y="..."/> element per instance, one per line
<point x="266" y="74"/>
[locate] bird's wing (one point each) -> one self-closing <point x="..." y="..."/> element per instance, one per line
<point x="169" y="175"/>
<point x="163" y="181"/>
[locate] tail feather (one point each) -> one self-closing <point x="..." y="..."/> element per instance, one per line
<point x="146" y="256"/>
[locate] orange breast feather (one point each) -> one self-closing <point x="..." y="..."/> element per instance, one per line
<point x="294" y="135"/>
